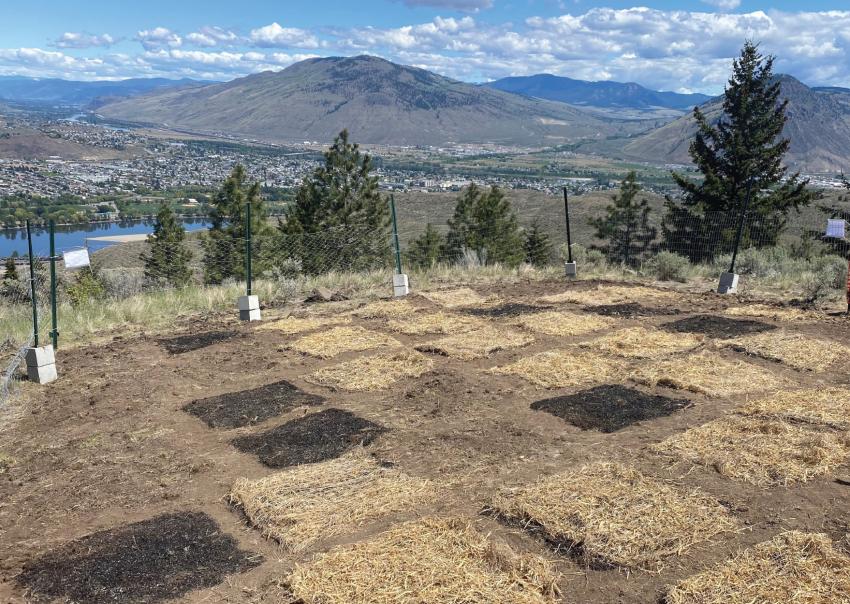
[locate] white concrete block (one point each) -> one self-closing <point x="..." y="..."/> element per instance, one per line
<point x="570" y="269"/>
<point x="248" y="303"/>
<point x="43" y="374"/>
<point x="251" y="315"/>
<point x="40" y="356"/>
<point x="728" y="283"/>
<point x="401" y="286"/>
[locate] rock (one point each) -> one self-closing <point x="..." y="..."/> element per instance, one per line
<point x="323" y="294"/>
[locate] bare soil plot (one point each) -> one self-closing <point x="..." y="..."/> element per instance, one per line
<point x="149" y="561"/>
<point x="718" y="327"/>
<point x="430" y="560"/>
<point x="311" y="503"/>
<point x="386" y="309"/>
<point x="828" y="407"/>
<point x="196" y="341"/>
<point x="777" y="313"/>
<point x="759" y="451"/>
<point x="642" y="343"/>
<point x="507" y="309"/>
<point x="611" y="515"/>
<point x="293" y="325"/>
<point x="792" y="567"/>
<point x="476" y="344"/>
<point x="434" y="323"/>
<point x="564" y="324"/>
<point x="610" y="407"/>
<point x="564" y="368"/>
<point x="334" y="341"/>
<point x="310" y="439"/>
<point x="373" y="372"/>
<point x="248" y="407"/>
<point x="708" y="373"/>
<point x="456" y="298"/>
<point x="793" y="349"/>
<point x="630" y="310"/>
<point x="611" y="294"/>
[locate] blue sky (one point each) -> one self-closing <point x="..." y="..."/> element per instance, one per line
<point x="684" y="45"/>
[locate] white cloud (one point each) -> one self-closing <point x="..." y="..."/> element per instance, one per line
<point x="72" y="39"/>
<point x="724" y="4"/>
<point x="459" y="5"/>
<point x="159" y="37"/>
<point x="276" y="36"/>
<point x="213" y="36"/>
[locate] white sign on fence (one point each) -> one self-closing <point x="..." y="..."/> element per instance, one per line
<point x="76" y="258"/>
<point x="835" y="228"/>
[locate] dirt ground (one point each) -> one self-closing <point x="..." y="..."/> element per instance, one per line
<point x="110" y="444"/>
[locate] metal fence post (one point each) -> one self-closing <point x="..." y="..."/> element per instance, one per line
<point x="395" y="237"/>
<point x="32" y="288"/>
<point x="570" y="267"/>
<point x="54" y="332"/>
<point x="741" y="225"/>
<point x="248" y="247"/>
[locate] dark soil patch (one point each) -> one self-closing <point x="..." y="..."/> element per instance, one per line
<point x="609" y="408"/>
<point x="630" y="310"/>
<point x="310" y="439"/>
<point x="150" y="561"/>
<point x="249" y="407"/>
<point x="718" y="327"/>
<point x="506" y="310"/>
<point x="196" y="341"/>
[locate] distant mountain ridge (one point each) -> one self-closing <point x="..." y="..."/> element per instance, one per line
<point x="81" y="94"/>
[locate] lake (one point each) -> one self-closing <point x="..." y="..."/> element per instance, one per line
<point x="74" y="236"/>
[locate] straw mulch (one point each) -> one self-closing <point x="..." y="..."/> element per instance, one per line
<point x="563" y="324"/>
<point x="476" y="344"/>
<point x="374" y="372"/>
<point x="614" y="516"/>
<point x="327" y="344"/>
<point x="794" y="568"/>
<point x="642" y="343"/>
<point x="317" y="501"/>
<point x="771" y="312"/>
<point x="564" y="368"/>
<point x="762" y="452"/>
<point x="456" y="298"/>
<point x="385" y="309"/>
<point x="439" y="561"/>
<point x="434" y="323"/>
<point x="293" y="325"/>
<point x="828" y="407"/>
<point x="612" y="294"/>
<point x="793" y="349"/>
<point x="708" y="373"/>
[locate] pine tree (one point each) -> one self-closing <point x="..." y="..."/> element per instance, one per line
<point x="167" y="257"/>
<point x="339" y="218"/>
<point x="744" y="148"/>
<point x="625" y="228"/>
<point x="538" y="247"/>
<point x="425" y="250"/>
<point x="11" y="273"/>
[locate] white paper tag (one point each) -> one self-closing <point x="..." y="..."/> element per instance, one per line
<point x="835" y="228"/>
<point x="76" y="258"/>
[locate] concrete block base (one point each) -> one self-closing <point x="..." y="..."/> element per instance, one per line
<point x="728" y="283"/>
<point x="251" y="315"/>
<point x="401" y="286"/>
<point x="249" y="308"/>
<point x="570" y="269"/>
<point x="41" y="364"/>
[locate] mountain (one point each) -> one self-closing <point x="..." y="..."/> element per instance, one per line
<point x="604" y="95"/>
<point x="818" y="127"/>
<point x="68" y="92"/>
<point x="378" y="101"/>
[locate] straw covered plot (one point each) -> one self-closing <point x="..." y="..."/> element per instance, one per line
<point x="564" y="368"/>
<point x="611" y="294"/>
<point x="373" y="372"/>
<point x="642" y="343"/>
<point x="456" y="298"/>
<point x="793" y="567"/>
<point x="434" y="323"/>
<point x="293" y="325"/>
<point x="707" y="373"/>
<point x="433" y="560"/>
<point x="386" y="309"/>
<point x="314" y="502"/>
<point x="762" y="452"/>
<point x="476" y="344"/>
<point x="563" y="324"/>
<point x="828" y="407"/>
<point x="327" y="344"/>
<point x="770" y="312"/>
<point x="793" y="349"/>
<point x="614" y="516"/>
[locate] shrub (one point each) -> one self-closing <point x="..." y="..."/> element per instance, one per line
<point x="122" y="283"/>
<point x="87" y="286"/>
<point x="667" y="266"/>
<point x="584" y="256"/>
<point x="829" y="275"/>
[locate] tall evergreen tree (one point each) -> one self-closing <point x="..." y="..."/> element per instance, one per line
<point x="167" y="257"/>
<point x="625" y="228"/>
<point x="339" y="219"/>
<point x="744" y="148"/>
<point x="538" y="247"/>
<point x="11" y="272"/>
<point x="425" y="250"/>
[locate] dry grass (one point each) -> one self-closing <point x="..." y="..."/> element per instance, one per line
<point x="434" y="561"/>
<point x="793" y="567"/>
<point x="612" y="515"/>
<point x="612" y="294"/>
<point x="374" y="372"/>
<point x="434" y="323"/>
<point x="708" y="373"/>
<point x="564" y="368"/>
<point x="386" y="309"/>
<point x="314" y="502"/>
<point x="456" y="298"/>
<point x="293" y="325"/>
<point x="563" y="324"/>
<point x="642" y="343"/>
<point x="327" y="344"/>
<point x="829" y="407"/>
<point x="759" y="451"/>
<point x="793" y="349"/>
<point x="476" y="344"/>
<point x="771" y="312"/>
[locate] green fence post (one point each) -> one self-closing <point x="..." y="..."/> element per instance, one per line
<point x="248" y="246"/>
<point x="54" y="332"/>
<point x="395" y="237"/>
<point x="32" y="288"/>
